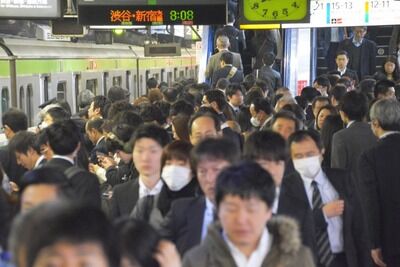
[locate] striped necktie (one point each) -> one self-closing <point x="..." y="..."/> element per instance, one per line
<point x="325" y="255"/>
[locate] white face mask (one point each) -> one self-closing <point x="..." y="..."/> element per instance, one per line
<point x="255" y="122"/>
<point x="308" y="167"/>
<point x="176" y="177"/>
<point x="43" y="125"/>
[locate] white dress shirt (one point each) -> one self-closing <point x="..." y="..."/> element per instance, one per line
<point x="208" y="217"/>
<point x="342" y="72"/>
<point x="144" y="191"/>
<point x="328" y="194"/>
<point x="275" y="205"/>
<point x="388" y="133"/>
<point x="64" y="157"/>
<point x="257" y="257"/>
<point x="38" y="161"/>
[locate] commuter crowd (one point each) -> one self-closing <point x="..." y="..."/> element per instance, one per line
<point x="236" y="173"/>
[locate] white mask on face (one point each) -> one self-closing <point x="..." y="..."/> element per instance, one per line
<point x="255" y="122"/>
<point x="43" y="125"/>
<point x="308" y="167"/>
<point x="176" y="177"/>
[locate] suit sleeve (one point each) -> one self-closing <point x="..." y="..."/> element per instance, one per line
<point x="369" y="195"/>
<point x="372" y="59"/>
<point x="210" y="68"/>
<point x="339" y="153"/>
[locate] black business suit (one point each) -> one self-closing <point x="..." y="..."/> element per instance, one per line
<point x="184" y="223"/>
<point x="379" y="171"/>
<point x="13" y="170"/>
<point x="84" y="184"/>
<point x="124" y="198"/>
<point x="100" y="147"/>
<point x="224" y="72"/>
<point x="354" y="245"/>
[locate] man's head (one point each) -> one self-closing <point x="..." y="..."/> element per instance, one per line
<point x="117" y="93"/>
<point x="318" y="103"/>
<point x="14" y="121"/>
<point x="151" y="83"/>
<point x="222" y="84"/>
<point x="268" y="149"/>
<point x="85" y="98"/>
<point x="55" y="114"/>
<point x="268" y="58"/>
<point x="384" y="89"/>
<point x="342" y="59"/>
<point x="64" y="138"/>
<point x="244" y="196"/>
<point x="226" y="59"/>
<point x="215" y="99"/>
<point x="148" y="142"/>
<point x="209" y="157"/>
<point x="385" y="116"/>
<point x="57" y="234"/>
<point x="94" y="129"/>
<point x="235" y="95"/>
<point x="359" y="33"/>
<point x="285" y="123"/>
<point x="203" y="125"/>
<point x="98" y="107"/>
<point x="260" y="110"/>
<point x="306" y="150"/>
<point x="24" y="146"/>
<point x="353" y="107"/>
<point x="337" y="92"/>
<point x="322" y="84"/>
<point x="222" y="42"/>
<point x="309" y="93"/>
<point x="42" y="185"/>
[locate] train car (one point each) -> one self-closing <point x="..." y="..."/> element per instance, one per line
<point x="32" y="71"/>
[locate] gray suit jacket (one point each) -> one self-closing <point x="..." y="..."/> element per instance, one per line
<point x="348" y="145"/>
<point x="214" y="63"/>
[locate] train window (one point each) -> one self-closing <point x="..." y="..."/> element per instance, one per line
<point x="162" y="74"/>
<point x="105" y="84"/>
<point x="46" y="81"/>
<point x="128" y="80"/>
<point x="61" y="90"/>
<point x="147" y="75"/>
<point x="5" y="99"/>
<point x="186" y="71"/>
<point x="135" y="80"/>
<point x="92" y="85"/>
<point x="22" y="98"/>
<point x="181" y="74"/>
<point x="156" y="76"/>
<point x="77" y="82"/>
<point x="29" y="104"/>
<point x="117" y="81"/>
<point x="169" y="78"/>
<point x="175" y="74"/>
<point x="191" y="73"/>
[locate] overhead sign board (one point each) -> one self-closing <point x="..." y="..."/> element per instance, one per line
<point x="30" y="9"/>
<point x="152" y="12"/>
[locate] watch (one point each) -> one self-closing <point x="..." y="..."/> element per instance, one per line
<point x="276" y="11"/>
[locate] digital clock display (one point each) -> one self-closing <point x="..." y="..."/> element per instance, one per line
<point x="200" y="14"/>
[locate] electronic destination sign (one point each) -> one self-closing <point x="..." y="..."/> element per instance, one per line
<point x="152" y="12"/>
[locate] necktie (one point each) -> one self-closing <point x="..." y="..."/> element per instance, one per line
<point x="325" y="255"/>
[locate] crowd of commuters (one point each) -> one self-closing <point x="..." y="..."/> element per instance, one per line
<point x="239" y="173"/>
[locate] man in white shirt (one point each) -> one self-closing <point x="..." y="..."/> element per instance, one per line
<point x="244" y="194"/>
<point x="339" y="228"/>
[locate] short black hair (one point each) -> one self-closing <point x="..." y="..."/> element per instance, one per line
<point x="342" y="53"/>
<point x="263" y="105"/>
<point x="48" y="176"/>
<point x="71" y="223"/>
<point x="265" y="145"/>
<point x="129" y="117"/>
<point x="58" y="114"/>
<point x="302" y="135"/>
<point x="15" y="119"/>
<point x="215" y="149"/>
<point x="354" y="105"/>
<point x="170" y="94"/>
<point x="288" y="115"/>
<point x="218" y="97"/>
<point x="22" y="141"/>
<point x="309" y="93"/>
<point x="63" y="137"/>
<point x="227" y="57"/>
<point x="268" y="58"/>
<point x="320" y="99"/>
<point x="338" y="91"/>
<point x="138" y="241"/>
<point x="103" y="103"/>
<point x="209" y="114"/>
<point x="96" y="124"/>
<point x="181" y="107"/>
<point x="323" y="81"/>
<point x="153" y="132"/>
<point x="222" y="83"/>
<point x="232" y="89"/>
<point x="117" y="107"/>
<point x="382" y="87"/>
<point x="151" y="83"/>
<point x="118" y="138"/>
<point x="246" y="180"/>
<point x="151" y="113"/>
